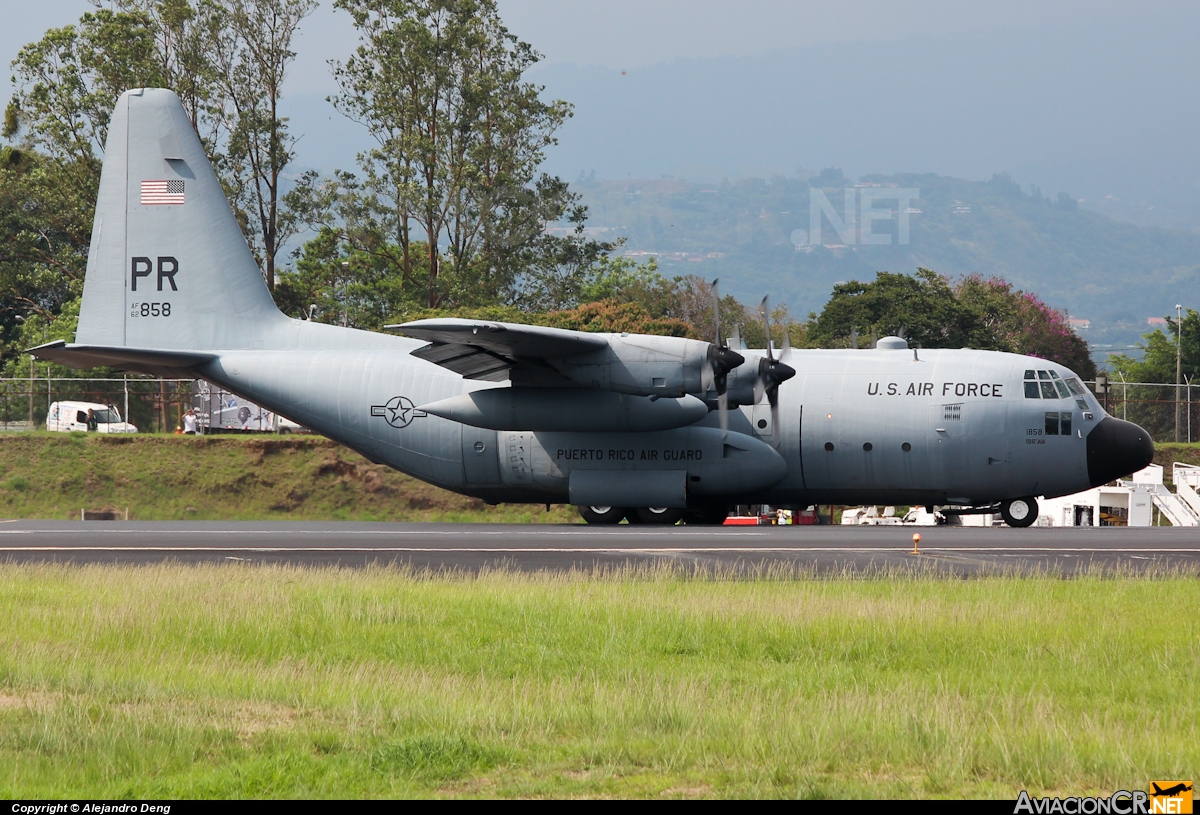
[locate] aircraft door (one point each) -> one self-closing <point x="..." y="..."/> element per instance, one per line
<point x="481" y="462"/>
<point x="971" y="449"/>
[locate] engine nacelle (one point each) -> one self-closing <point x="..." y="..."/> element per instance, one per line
<point x="568" y="409"/>
<point x="641" y="364"/>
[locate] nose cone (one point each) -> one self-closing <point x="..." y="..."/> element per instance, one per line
<point x="1116" y="448"/>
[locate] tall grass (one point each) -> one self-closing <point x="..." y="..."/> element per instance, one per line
<point x="168" y="681"/>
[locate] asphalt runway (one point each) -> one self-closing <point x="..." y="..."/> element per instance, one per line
<point x="470" y="547"/>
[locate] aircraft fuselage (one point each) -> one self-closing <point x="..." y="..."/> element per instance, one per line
<point x="867" y="426"/>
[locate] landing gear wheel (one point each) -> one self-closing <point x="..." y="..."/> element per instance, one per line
<point x="664" y="516"/>
<point x="602" y="515"/>
<point x="1020" y="512"/>
<point x="706" y="516"/>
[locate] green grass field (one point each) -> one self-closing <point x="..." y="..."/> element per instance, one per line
<point x="172" y="681"/>
<point x="159" y="477"/>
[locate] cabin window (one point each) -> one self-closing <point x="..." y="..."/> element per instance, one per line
<point x="1064" y="424"/>
<point x="829" y="447"/>
<point x="906" y="447"/>
<point x="867" y="447"/>
<point x="1052" y="423"/>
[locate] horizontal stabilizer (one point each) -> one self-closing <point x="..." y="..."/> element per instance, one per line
<point x="135" y="360"/>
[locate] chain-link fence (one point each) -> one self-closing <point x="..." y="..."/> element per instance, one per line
<point x="1168" y="412"/>
<point x="152" y="405"/>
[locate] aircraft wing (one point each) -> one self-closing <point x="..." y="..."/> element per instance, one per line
<point x="486" y="350"/>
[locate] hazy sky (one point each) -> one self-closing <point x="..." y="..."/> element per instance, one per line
<point x="1094" y="97"/>
<point x="625" y="34"/>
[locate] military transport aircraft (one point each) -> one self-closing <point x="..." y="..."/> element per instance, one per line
<point x="621" y="425"/>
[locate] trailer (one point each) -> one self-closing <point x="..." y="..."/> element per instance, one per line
<point x="219" y="411"/>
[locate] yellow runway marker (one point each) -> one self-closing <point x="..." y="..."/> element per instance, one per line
<point x="916" y="543"/>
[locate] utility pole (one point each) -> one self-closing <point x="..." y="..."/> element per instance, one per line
<point x="1178" y="362"/>
<point x="32" y="423"/>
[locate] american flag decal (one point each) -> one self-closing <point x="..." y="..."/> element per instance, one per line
<point x="157" y="193"/>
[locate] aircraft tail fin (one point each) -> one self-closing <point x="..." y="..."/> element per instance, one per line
<point x="168" y="267"/>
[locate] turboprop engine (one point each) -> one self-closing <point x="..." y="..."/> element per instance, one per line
<point x="568" y="410"/>
<point x="649" y="365"/>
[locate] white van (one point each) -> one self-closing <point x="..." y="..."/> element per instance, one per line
<point x="68" y="416"/>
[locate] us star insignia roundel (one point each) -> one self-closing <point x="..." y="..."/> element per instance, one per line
<point x="398" y="412"/>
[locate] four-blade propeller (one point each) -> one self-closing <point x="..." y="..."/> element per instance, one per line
<point x="722" y="360"/>
<point x="771" y="371"/>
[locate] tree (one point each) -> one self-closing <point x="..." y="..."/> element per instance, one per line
<point x="46" y="221"/>
<point x="438" y="84"/>
<point x="922" y="308"/>
<point x="252" y="56"/>
<point x="1158" y="353"/>
<point x="69" y="80"/>
<point x="1008" y="319"/>
<point x="975" y="313"/>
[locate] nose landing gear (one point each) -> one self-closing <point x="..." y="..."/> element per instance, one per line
<point x="1019" y="512"/>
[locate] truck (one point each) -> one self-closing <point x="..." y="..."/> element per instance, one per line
<point x="65" y="417"/>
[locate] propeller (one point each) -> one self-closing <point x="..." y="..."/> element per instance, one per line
<point x="771" y="371"/>
<point x="721" y="360"/>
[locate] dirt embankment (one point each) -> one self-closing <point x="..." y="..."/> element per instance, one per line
<point x="1167" y="454"/>
<point x="54" y="476"/>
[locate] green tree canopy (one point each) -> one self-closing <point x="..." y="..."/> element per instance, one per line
<point x="1158" y="353"/>
<point x="929" y="310"/>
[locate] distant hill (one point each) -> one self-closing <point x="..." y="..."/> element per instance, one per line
<point x="754" y="235"/>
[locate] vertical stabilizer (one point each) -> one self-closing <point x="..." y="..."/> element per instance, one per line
<point x="168" y="266"/>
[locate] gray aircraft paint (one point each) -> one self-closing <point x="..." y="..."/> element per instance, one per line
<point x="970" y="431"/>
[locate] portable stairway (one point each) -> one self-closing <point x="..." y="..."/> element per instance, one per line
<point x="1178" y="509"/>
<point x="1187" y="482"/>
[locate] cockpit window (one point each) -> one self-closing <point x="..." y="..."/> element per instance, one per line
<point x="1063" y="393"/>
<point x="1074" y="386"/>
<point x="1029" y="374"/>
<point x="1031" y="390"/>
<point x="1048" y="391"/>
<point x="1043" y="374"/>
<point x="1053" y="375"/>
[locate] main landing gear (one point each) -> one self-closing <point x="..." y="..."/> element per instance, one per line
<point x="661" y="516"/>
